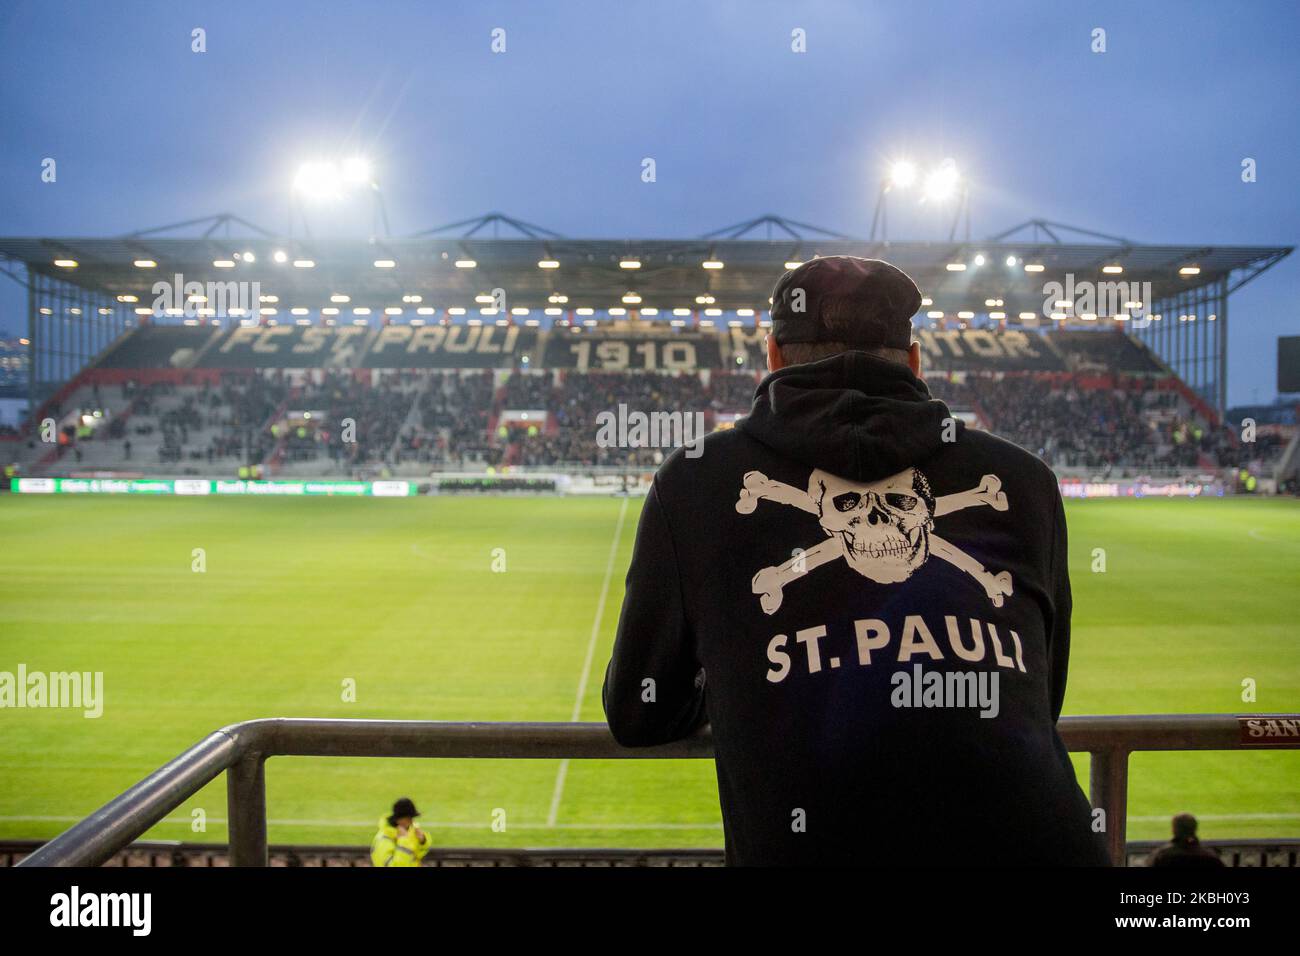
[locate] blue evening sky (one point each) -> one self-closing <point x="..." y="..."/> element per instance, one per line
<point x="1144" y="141"/>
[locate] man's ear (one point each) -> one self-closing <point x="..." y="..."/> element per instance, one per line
<point x="914" y="358"/>
<point x="775" y="361"/>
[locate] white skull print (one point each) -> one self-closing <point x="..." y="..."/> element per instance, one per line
<point x="882" y="529"/>
<point x="884" y="526"/>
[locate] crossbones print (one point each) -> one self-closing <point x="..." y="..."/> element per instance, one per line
<point x="883" y="529"/>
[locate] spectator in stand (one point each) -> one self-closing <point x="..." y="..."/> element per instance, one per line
<point x="821" y="764"/>
<point x="1184" y="850"/>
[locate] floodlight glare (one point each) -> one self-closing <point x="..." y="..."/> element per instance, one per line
<point x="941" y="184"/>
<point x="902" y="174"/>
<point x="356" y="171"/>
<point x="325" y="179"/>
<point x="318" y="180"/>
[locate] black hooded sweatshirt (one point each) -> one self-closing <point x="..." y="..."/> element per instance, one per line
<point x="871" y="606"/>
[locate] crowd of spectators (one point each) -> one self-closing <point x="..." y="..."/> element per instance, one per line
<point x="576" y="404"/>
<point x="1124" y="425"/>
<point x="345" y="417"/>
<point x="452" y="419"/>
<point x="452" y="422"/>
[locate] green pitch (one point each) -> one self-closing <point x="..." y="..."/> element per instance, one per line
<point x="302" y="598"/>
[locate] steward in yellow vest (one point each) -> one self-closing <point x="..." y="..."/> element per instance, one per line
<point x="399" y="841"/>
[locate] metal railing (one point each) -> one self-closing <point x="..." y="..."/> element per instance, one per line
<point x="241" y="750"/>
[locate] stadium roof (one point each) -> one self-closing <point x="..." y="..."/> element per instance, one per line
<point x="592" y="272"/>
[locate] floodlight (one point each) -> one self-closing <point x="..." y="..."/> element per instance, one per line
<point x="902" y="174"/>
<point x="942" y="182"/>
<point x="318" y="180"/>
<point x="356" y="171"/>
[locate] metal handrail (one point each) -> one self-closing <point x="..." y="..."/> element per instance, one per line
<point x="242" y="750"/>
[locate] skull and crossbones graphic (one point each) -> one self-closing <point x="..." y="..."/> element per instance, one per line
<point x="883" y="529"/>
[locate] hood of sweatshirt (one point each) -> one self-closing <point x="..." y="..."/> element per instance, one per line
<point x="855" y="415"/>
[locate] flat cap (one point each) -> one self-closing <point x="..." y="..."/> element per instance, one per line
<point x="865" y="303"/>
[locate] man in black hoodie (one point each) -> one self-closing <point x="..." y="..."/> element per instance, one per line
<point x="869" y="603"/>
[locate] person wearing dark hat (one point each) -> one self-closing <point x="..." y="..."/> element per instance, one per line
<point x="868" y="602"/>
<point x="400" y="841"/>
<point x="1185" y="850"/>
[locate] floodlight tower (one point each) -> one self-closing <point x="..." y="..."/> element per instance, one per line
<point x="901" y="176"/>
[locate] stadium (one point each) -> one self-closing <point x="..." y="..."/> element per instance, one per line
<point x="310" y="510"/>
<point x="484" y="412"/>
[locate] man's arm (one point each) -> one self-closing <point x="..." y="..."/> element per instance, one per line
<point x="1058" y="634"/>
<point x="651" y="692"/>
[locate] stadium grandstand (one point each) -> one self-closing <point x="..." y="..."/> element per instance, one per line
<point x="242" y="353"/>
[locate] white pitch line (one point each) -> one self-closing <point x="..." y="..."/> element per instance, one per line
<point x="1273" y="542"/>
<point x="1219" y="817"/>
<point x="563" y="772"/>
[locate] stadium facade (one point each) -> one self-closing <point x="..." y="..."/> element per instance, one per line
<point x="288" y="331"/>
<point x="84" y="293"/>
